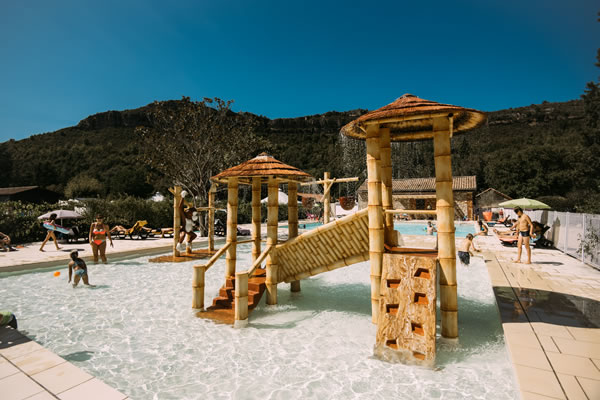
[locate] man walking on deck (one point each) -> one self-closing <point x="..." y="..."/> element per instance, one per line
<point x="525" y="228"/>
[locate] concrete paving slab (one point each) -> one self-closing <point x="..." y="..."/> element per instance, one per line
<point x="18" y="387"/>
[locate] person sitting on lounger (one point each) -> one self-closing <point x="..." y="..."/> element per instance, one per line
<point x="5" y="242"/>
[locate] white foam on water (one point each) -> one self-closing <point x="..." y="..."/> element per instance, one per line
<point x="138" y="333"/>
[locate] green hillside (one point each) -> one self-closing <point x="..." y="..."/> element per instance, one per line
<point x="535" y="151"/>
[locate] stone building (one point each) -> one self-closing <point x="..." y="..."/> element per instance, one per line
<point x="419" y="194"/>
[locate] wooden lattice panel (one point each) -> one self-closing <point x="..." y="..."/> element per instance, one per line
<point x="406" y="324"/>
<point x="337" y="244"/>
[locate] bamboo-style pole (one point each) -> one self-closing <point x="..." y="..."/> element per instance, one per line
<point x="326" y="197"/>
<point x="211" y="217"/>
<point x="241" y="300"/>
<point x="376" y="232"/>
<point x="391" y="237"/>
<point x="442" y="130"/>
<point x="293" y="221"/>
<point x="256" y="184"/>
<point x="198" y="287"/>
<point x="272" y="219"/>
<point x="232" y="204"/>
<point x="176" y="219"/>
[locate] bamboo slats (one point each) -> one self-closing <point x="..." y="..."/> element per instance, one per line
<point x="256" y="217"/>
<point x="337" y="244"/>
<point x="232" y="208"/>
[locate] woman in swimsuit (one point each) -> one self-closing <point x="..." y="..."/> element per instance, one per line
<point x="50" y="233"/>
<point x="99" y="231"/>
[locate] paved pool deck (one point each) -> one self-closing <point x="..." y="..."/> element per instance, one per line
<point x="550" y="313"/>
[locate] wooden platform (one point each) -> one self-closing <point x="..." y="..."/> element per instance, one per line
<point x="222" y="309"/>
<point x="195" y="255"/>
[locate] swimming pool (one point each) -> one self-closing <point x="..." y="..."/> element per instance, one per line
<point x="137" y="332"/>
<point x="412" y="228"/>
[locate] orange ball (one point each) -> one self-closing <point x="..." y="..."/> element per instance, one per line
<point x="57" y="273"/>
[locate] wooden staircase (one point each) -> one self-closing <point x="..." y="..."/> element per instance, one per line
<point x="222" y="309"/>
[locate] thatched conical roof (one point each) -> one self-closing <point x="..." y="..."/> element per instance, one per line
<point x="263" y="165"/>
<point x="411" y="118"/>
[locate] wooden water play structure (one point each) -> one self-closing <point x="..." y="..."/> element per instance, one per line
<point x="403" y="281"/>
<point x="190" y="254"/>
<point x="327" y="183"/>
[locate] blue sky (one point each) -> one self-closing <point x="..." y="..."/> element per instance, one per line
<point x="64" y="60"/>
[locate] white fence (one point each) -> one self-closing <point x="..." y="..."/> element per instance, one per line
<point x="567" y="230"/>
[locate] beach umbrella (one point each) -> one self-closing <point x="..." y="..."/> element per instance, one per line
<point x="61" y="214"/>
<point x="526" y="204"/>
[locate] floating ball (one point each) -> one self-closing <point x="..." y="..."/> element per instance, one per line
<point x="57" y="273"/>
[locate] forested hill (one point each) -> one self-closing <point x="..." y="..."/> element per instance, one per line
<point x="533" y="151"/>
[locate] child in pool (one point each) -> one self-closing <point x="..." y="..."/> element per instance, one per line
<point x="78" y="266"/>
<point x="464" y="254"/>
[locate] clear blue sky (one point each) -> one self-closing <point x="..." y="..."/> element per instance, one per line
<point x="64" y="60"/>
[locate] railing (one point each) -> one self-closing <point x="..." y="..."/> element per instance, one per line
<point x="200" y="272"/>
<point x="401" y="211"/>
<point x="241" y="288"/>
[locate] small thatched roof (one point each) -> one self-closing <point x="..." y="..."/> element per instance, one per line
<point x="411" y="118"/>
<point x="265" y="166"/>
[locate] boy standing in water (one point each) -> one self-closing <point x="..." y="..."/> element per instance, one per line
<point x="78" y="266"/>
<point x="464" y="254"/>
<point x="525" y="228"/>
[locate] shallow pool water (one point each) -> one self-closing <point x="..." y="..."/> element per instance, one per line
<point x="137" y="332"/>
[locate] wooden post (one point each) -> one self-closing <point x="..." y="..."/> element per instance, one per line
<point x="198" y="287"/>
<point x="176" y="219"/>
<point x="376" y="233"/>
<point x="256" y="183"/>
<point x="211" y="217"/>
<point x="326" y="199"/>
<point x="442" y="130"/>
<point x="232" y="203"/>
<point x="391" y="237"/>
<point x="293" y="221"/>
<point x="272" y="217"/>
<point x="241" y="300"/>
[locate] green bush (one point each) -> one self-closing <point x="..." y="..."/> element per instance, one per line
<point x="19" y="220"/>
<point x="127" y="210"/>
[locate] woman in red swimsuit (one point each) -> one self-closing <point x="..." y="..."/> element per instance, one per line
<point x="99" y="231"/>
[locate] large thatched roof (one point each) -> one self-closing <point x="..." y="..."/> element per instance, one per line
<point x="411" y="118"/>
<point x="264" y="166"/>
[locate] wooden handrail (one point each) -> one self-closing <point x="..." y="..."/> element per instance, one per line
<point x="400" y="211"/>
<point x="259" y="260"/>
<point x="216" y="256"/>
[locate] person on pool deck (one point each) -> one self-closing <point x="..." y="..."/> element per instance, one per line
<point x="5" y="242"/>
<point x="483" y="229"/>
<point x="430" y="228"/>
<point x="189" y="218"/>
<point x="8" y="318"/>
<point x="99" y="232"/>
<point x="50" y="233"/>
<point x="464" y="254"/>
<point x="79" y="268"/>
<point x="525" y="228"/>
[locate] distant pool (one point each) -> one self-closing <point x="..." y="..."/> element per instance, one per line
<point x="406" y="228"/>
<point x="307" y="226"/>
<point x="409" y="228"/>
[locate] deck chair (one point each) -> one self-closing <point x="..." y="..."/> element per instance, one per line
<point x="539" y="241"/>
<point x="138" y="231"/>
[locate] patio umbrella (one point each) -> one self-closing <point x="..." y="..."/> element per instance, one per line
<point x="61" y="214"/>
<point x="526" y="204"/>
